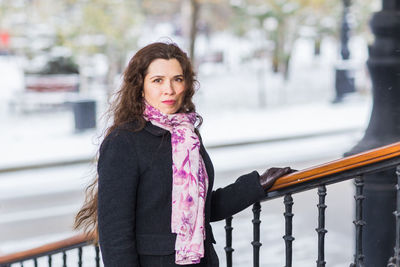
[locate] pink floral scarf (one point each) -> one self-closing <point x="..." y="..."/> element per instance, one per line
<point x="190" y="183"/>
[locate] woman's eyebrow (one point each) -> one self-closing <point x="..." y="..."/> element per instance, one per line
<point x="162" y="76"/>
<point x="156" y="76"/>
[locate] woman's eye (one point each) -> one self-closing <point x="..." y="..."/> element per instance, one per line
<point x="157" y="80"/>
<point x="179" y="79"/>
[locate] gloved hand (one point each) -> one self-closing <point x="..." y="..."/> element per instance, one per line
<point x="268" y="178"/>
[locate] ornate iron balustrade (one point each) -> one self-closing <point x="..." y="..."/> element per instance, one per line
<point x="46" y="253"/>
<point x="353" y="167"/>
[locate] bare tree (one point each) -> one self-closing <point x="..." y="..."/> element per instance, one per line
<point x="280" y="21"/>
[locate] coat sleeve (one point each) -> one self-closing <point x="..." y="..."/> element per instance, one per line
<point x="118" y="176"/>
<point x="227" y="201"/>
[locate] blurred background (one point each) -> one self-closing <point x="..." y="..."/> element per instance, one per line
<point x="288" y="75"/>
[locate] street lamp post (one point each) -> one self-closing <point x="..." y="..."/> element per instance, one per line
<point x="344" y="81"/>
<point x="383" y="128"/>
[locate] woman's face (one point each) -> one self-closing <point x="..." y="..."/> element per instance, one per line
<point x="164" y="85"/>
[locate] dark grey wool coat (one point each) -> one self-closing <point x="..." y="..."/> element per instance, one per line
<point x="134" y="201"/>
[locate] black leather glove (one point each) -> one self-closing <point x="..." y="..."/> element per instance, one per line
<point x="268" y="178"/>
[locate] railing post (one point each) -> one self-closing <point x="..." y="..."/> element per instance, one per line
<point x="359" y="222"/>
<point x="395" y="260"/>
<point x="64" y="258"/>
<point x="256" y="234"/>
<point x="288" y="201"/>
<point x="228" y="248"/>
<point x="50" y="260"/>
<point x="97" y="249"/>
<point x="321" y="226"/>
<point x="80" y="257"/>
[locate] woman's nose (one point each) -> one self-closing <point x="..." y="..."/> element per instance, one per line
<point x="169" y="88"/>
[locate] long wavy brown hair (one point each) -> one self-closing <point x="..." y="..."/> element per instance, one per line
<point x="128" y="106"/>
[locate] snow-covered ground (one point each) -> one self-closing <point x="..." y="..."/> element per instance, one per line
<point x="50" y="137"/>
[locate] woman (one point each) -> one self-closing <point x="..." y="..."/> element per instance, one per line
<point x="154" y="201"/>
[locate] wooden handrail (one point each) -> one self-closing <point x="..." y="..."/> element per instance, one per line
<point x="340" y="165"/>
<point x="333" y="167"/>
<point x="58" y="245"/>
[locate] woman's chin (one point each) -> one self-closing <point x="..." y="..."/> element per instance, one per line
<point x="169" y="110"/>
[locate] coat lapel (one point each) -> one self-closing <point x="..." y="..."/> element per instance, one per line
<point x="154" y="130"/>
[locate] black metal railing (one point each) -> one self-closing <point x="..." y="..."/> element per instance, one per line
<point x="395" y="260"/>
<point x="321" y="226"/>
<point x="359" y="222"/>
<point x="321" y="182"/>
<point x="288" y="237"/>
<point x="81" y="249"/>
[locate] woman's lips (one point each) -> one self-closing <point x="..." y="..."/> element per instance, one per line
<point x="169" y="102"/>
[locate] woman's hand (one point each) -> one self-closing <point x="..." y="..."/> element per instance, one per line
<point x="268" y="178"/>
